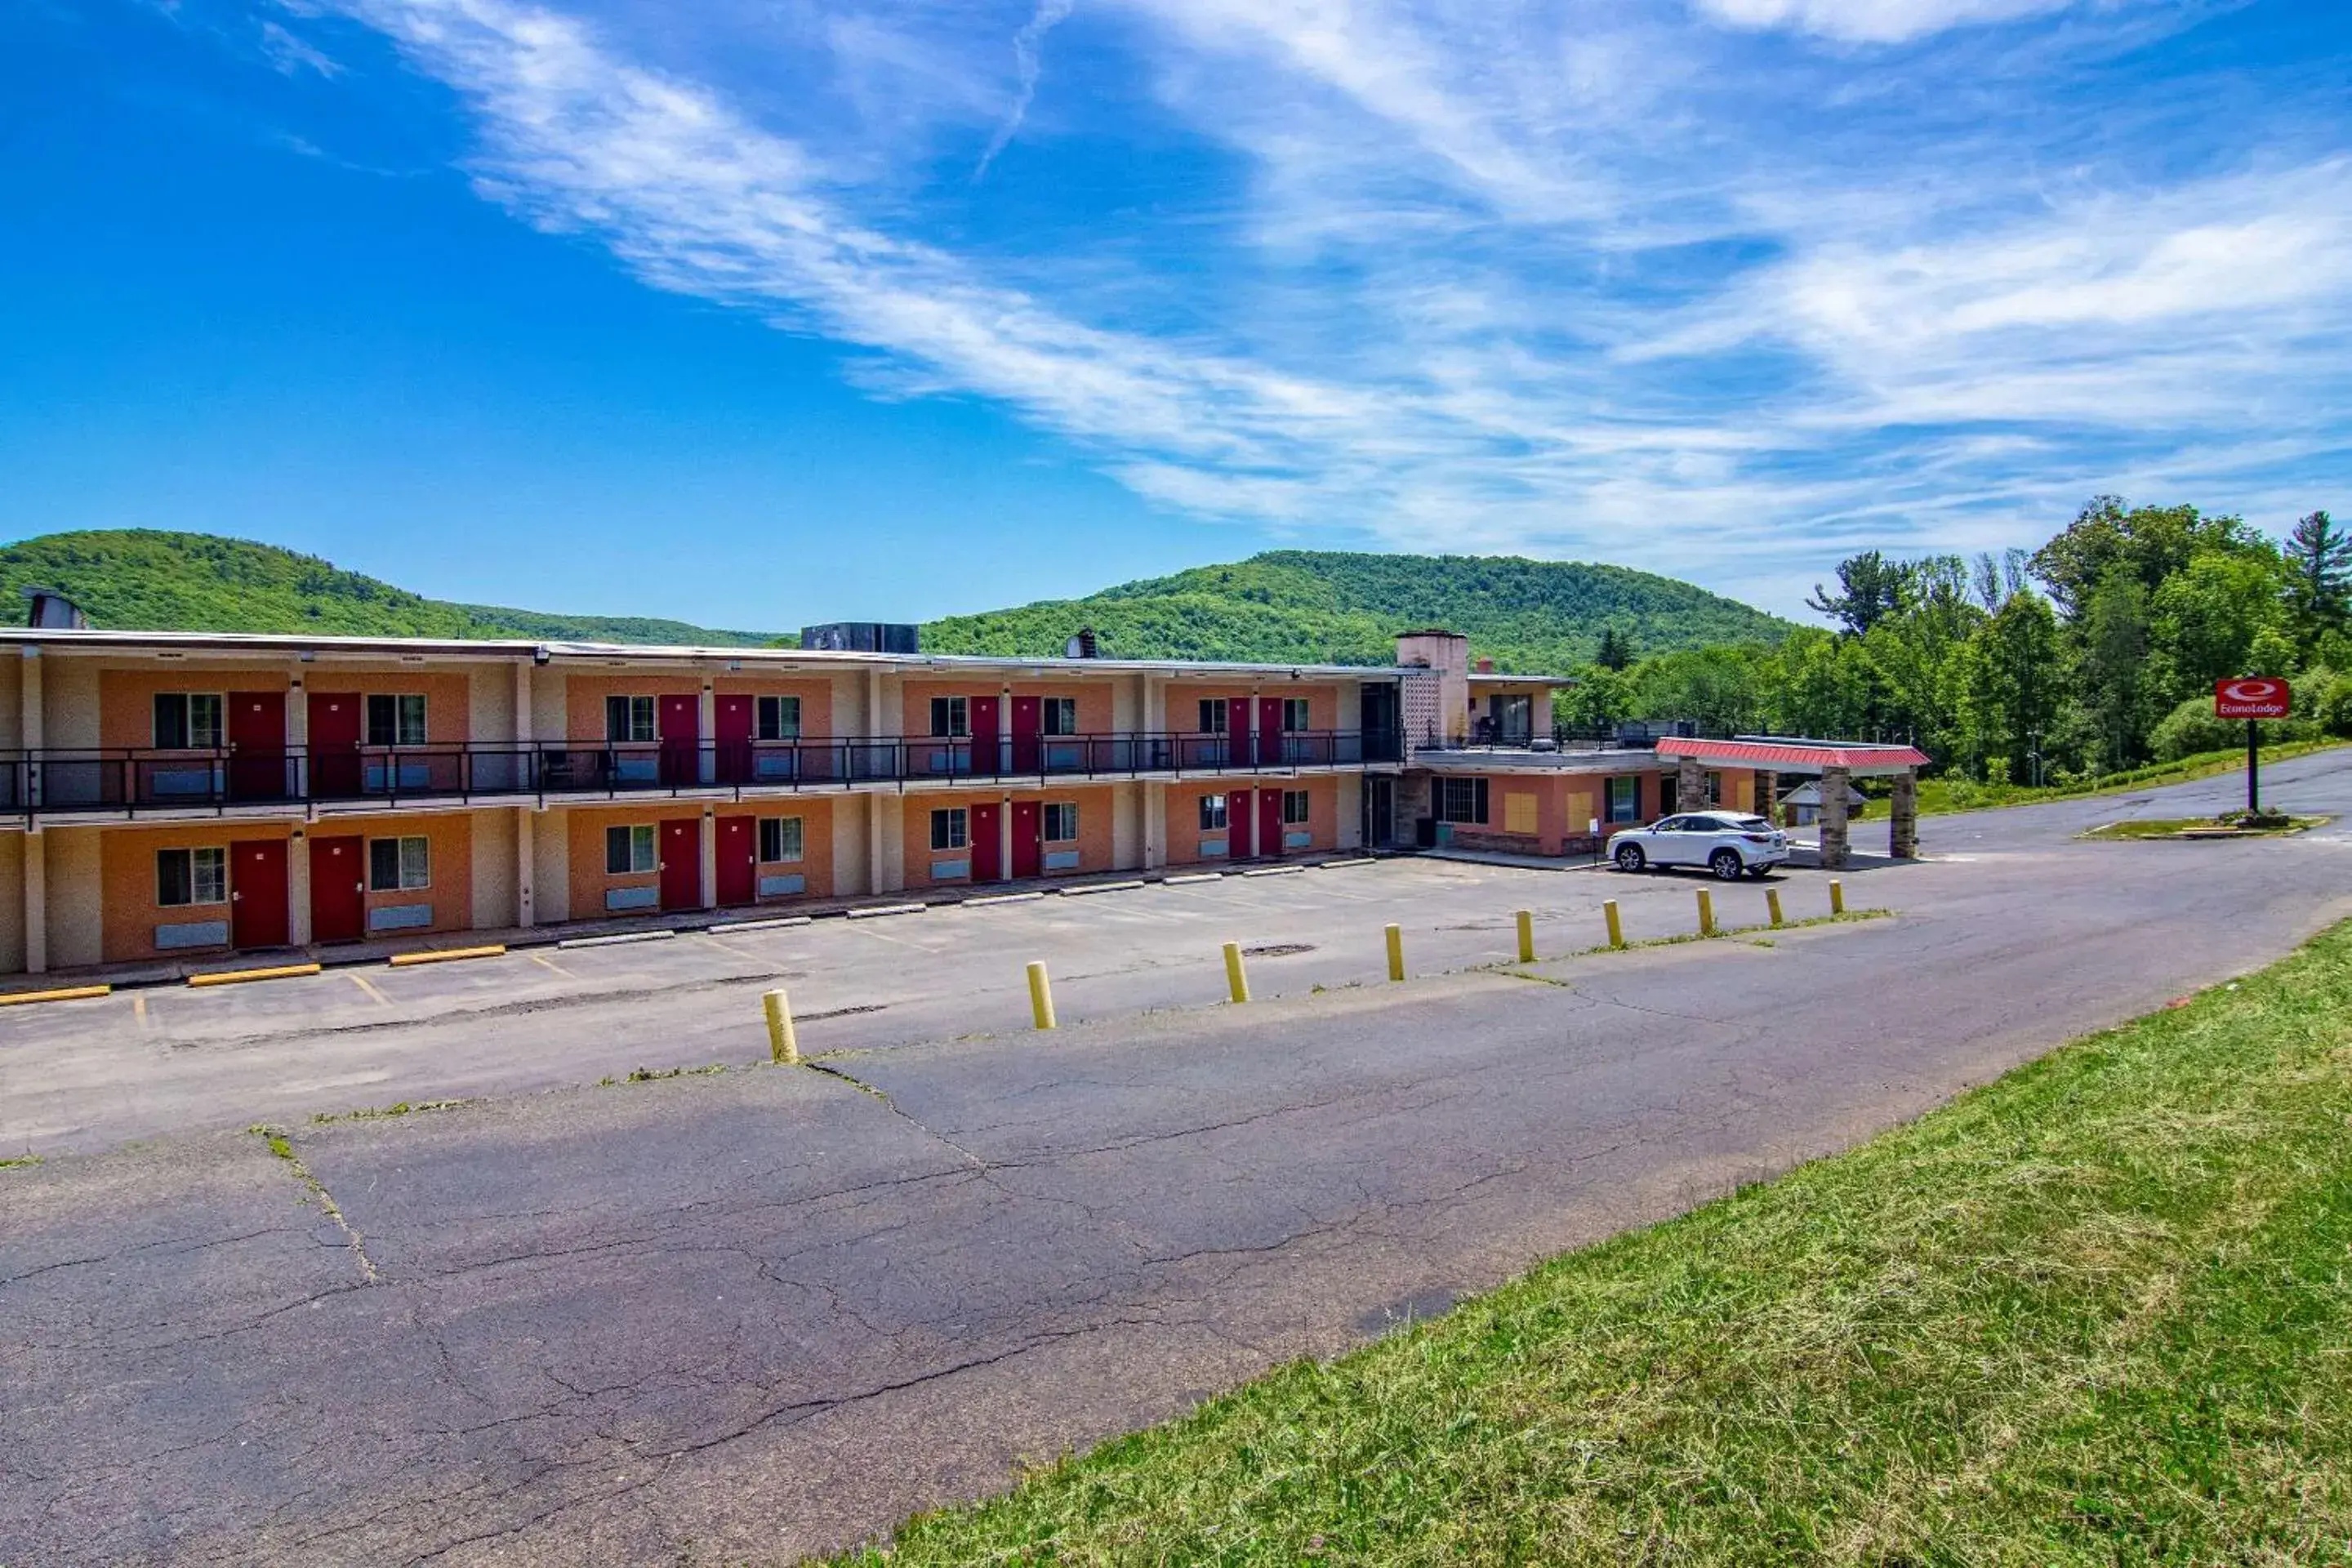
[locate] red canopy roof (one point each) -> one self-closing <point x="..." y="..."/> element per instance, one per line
<point x="1797" y="756"/>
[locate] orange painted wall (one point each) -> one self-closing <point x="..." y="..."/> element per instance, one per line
<point x="583" y="701"/>
<point x="1182" y="829"/>
<point x="127" y="871"/>
<point x="450" y="862"/>
<point x="586" y="830"/>
<point x="916" y="829"/>
<point x="126" y="698"/>
<point x="1095" y="698"/>
<point x="1183" y="715"/>
<point x="1095" y="805"/>
<point x="816" y="700"/>
<point x="449" y="698"/>
<point x="816" y="864"/>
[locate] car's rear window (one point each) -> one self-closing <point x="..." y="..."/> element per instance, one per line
<point x="1749" y="823"/>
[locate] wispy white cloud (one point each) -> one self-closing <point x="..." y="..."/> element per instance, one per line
<point x="291" y="55"/>
<point x="1474" y="274"/>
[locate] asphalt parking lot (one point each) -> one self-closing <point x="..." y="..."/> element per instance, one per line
<point x="753" y="1315"/>
<point x="91" y="1074"/>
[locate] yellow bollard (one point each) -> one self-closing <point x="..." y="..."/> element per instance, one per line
<point x="1236" y="977"/>
<point x="1837" y="897"/>
<point x="1527" y="936"/>
<point x="1041" y="996"/>
<point x="1396" y="953"/>
<point x="1705" y="913"/>
<point x="1772" y="904"/>
<point x="1616" y="930"/>
<point x="784" y="1044"/>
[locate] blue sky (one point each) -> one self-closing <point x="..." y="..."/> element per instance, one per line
<point x="758" y="311"/>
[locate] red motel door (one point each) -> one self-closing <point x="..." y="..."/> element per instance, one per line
<point x="337" y="897"/>
<point x="681" y="863"/>
<point x="986" y="759"/>
<point x="335" y="721"/>
<point x="985" y="823"/>
<point x="1237" y="825"/>
<point x="679" y="721"/>
<point x="1269" y="822"/>
<point x="734" y="721"/>
<point x="257" y="890"/>
<point x="256" y="744"/>
<point x="1269" y="737"/>
<point x="1028" y="755"/>
<point x="738" y="853"/>
<point x="1028" y="839"/>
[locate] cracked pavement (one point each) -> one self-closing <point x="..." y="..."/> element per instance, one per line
<point x="755" y="1315"/>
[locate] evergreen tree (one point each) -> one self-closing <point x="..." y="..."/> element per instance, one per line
<point x="1870" y="588"/>
<point x="2319" y="561"/>
<point x="1616" y="649"/>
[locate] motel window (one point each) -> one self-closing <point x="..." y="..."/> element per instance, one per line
<point x="399" y="865"/>
<point x="1213" y="715"/>
<point x="1212" y="814"/>
<point x="1462" y="800"/>
<point x="1715" y="789"/>
<point x="951" y="716"/>
<point x="395" y="720"/>
<point x="779" y="839"/>
<point x="950" y="828"/>
<point x="1295" y="714"/>
<point x="1625" y="800"/>
<point x="629" y="850"/>
<point x="1061" y="715"/>
<point x="628" y="719"/>
<point x="1294" y="807"/>
<point x="187" y="720"/>
<point x="1061" y="821"/>
<point x="778" y="720"/>
<point x="185" y="877"/>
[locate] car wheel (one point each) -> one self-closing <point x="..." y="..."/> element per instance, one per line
<point x="1630" y="857"/>
<point x="1760" y="872"/>
<point x="1725" y="865"/>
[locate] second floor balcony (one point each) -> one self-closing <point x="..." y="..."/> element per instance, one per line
<point x="131" y="781"/>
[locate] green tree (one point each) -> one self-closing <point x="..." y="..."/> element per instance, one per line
<point x="2119" y="697"/>
<point x="2011" y="685"/>
<point x="2209" y="618"/>
<point x="1823" y="686"/>
<point x="1724" y="688"/>
<point x="1870" y="588"/>
<point x="1616" y="649"/>
<point x="2319" y="582"/>
<point x="2152" y="542"/>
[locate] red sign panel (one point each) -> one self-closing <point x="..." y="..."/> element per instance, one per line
<point x="2251" y="697"/>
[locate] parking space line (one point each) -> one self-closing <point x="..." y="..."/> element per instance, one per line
<point x="736" y="952"/>
<point x="362" y="982"/>
<point x="548" y="964"/>
<point x="139" y="1010"/>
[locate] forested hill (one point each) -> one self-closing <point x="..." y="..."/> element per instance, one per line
<point x="148" y="580"/>
<point x="1533" y="615"/>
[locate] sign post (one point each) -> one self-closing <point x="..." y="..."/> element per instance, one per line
<point x="2252" y="698"/>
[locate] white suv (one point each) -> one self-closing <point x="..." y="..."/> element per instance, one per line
<point x="1725" y="842"/>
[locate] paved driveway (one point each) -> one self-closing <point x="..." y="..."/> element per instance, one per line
<point x="754" y="1314"/>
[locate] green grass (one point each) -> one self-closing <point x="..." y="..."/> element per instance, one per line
<point x="2099" y="1311"/>
<point x="1951" y="793"/>
<point x="2174" y="827"/>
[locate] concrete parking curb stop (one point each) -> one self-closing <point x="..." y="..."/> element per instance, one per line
<point x="777" y="924"/>
<point x="1099" y="888"/>
<point x="1189" y="877"/>
<point x="61" y="994"/>
<point x="617" y="940"/>
<point x="877" y="912"/>
<point x="445" y="955"/>
<point x="241" y="976"/>
<point x="1274" y="871"/>
<point x="987" y="900"/>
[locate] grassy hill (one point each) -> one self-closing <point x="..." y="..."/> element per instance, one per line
<point x="1308" y="605"/>
<point x="148" y="580"/>
<point x="1530" y="615"/>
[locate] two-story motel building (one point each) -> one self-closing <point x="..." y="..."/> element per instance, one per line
<point x="174" y="796"/>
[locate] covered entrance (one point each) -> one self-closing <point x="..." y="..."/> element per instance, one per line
<point x="1837" y="763"/>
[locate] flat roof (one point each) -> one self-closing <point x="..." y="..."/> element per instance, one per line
<point x="1798" y="754"/>
<point x="96" y="638"/>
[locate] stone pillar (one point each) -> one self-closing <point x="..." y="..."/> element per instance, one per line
<point x="1690" y="784"/>
<point x="1768" y="793"/>
<point x="37" y="903"/>
<point x="297" y="886"/>
<point x="1835" y="853"/>
<point x="1902" y="833"/>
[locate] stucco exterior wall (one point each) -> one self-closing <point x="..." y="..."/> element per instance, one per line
<point x="76" y="916"/>
<point x="12" y="902"/>
<point x="815" y="865"/>
<point x="493" y="873"/>
<point x="127" y="874"/>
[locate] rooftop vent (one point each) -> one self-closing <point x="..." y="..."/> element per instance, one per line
<point x="52" y="611"/>
<point x="1082" y="646"/>
<point x="860" y="637"/>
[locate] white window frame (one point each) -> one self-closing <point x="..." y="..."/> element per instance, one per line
<point x="950" y="828"/>
<point x="1217" y="716"/>
<point x="773" y="827"/>
<point x="1466" y="808"/>
<point x="1297" y="808"/>
<point x="192" y="739"/>
<point x="639" y="834"/>
<point x="405" y="713"/>
<point x="1298" y="714"/>
<point x="1629" y="786"/>
<point x="951" y="718"/>
<point x="206" y="864"/>
<point x="776" y="719"/>
<point x="1059" y="823"/>
<point x="622" y="712"/>
<point x="1058" y="715"/>
<point x="1212" y="814"/>
<point x="412" y="868"/>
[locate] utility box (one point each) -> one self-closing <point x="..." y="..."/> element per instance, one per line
<point x="861" y="637"/>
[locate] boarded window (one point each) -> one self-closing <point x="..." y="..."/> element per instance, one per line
<point x="1519" y="814"/>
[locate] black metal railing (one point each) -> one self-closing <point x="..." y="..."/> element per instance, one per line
<point x="219" y="778"/>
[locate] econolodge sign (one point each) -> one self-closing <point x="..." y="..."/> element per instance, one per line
<point x="2251" y="697"/>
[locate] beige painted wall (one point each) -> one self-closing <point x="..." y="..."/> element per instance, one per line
<point x="551" y="868"/>
<point x="76" y="913"/>
<point x="494" y="866"/>
<point x="12" y="903"/>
